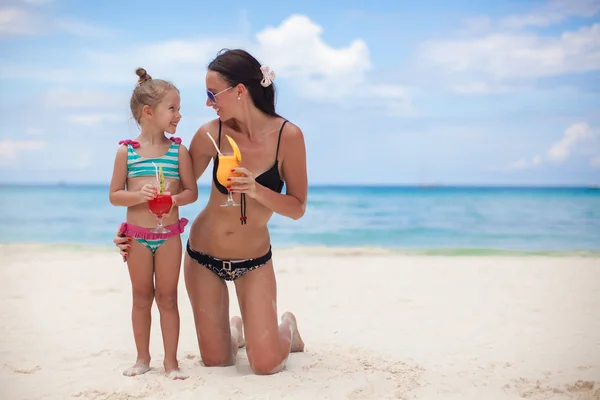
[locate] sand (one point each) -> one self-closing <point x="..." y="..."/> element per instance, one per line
<point x="377" y="325"/>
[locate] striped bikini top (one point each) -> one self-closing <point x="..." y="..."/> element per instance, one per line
<point x="142" y="166"/>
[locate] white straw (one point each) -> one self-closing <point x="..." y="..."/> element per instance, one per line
<point x="215" y="143"/>
<point x="157" y="178"/>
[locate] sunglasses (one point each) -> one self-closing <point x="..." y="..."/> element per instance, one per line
<point x="213" y="96"/>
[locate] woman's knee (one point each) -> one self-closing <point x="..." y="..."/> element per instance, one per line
<point x="264" y="360"/>
<point x="217" y="361"/>
<point x="216" y="353"/>
<point x="266" y="365"/>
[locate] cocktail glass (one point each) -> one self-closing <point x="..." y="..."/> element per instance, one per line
<point x="227" y="162"/>
<point x="159" y="206"/>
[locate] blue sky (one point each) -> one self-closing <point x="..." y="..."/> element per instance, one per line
<point x="440" y="92"/>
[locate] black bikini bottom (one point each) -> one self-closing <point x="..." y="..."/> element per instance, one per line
<point x="228" y="269"/>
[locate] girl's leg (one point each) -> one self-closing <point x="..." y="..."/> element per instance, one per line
<point x="268" y="344"/>
<point x="141" y="271"/>
<point x="167" y="261"/>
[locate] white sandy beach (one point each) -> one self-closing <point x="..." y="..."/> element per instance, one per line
<point x="376" y="326"/>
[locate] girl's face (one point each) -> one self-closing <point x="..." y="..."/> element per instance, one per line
<point x="166" y="114"/>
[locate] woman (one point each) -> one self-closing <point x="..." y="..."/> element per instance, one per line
<point x="233" y="243"/>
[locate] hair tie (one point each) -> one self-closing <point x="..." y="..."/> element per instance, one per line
<point x="268" y="76"/>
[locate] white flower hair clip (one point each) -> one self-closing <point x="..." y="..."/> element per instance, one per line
<point x="268" y="76"/>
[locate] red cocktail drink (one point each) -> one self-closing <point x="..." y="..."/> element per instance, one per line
<point x="159" y="206"/>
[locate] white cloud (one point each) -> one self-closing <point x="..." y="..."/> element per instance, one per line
<point x="63" y="98"/>
<point x="185" y="65"/>
<point x="34" y="131"/>
<point x="553" y="12"/>
<point x="295" y="50"/>
<point x="37" y="2"/>
<point x="521" y="164"/>
<point x="16" y="21"/>
<point x="24" y="20"/>
<point x="499" y="56"/>
<point x="578" y="139"/>
<point x="94" y="119"/>
<point x="574" y="135"/>
<point x="472" y="87"/>
<point x="11" y="150"/>
<point x="35" y="73"/>
<point x="504" y="56"/>
<point x="81" y="28"/>
<point x="525" y="163"/>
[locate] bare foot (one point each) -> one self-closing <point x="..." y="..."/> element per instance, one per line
<point x="237" y="331"/>
<point x="297" y="343"/>
<point x="176" y="375"/>
<point x="173" y="372"/>
<point x="138" y="368"/>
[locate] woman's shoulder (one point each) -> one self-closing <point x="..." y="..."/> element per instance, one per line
<point x="200" y="142"/>
<point x="291" y="131"/>
<point x="211" y="127"/>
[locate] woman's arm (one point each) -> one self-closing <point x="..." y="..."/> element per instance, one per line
<point x="292" y="204"/>
<point x="202" y="149"/>
<point x="189" y="192"/>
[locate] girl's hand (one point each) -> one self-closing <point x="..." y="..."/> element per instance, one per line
<point x="170" y="210"/>
<point x="148" y="192"/>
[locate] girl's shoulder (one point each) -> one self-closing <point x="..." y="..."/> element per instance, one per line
<point x="129" y="142"/>
<point x="135" y="144"/>
<point x="176" y="140"/>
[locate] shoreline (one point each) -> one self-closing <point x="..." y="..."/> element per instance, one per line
<point x="334" y="251"/>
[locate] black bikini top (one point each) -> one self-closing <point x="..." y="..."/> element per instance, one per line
<point x="269" y="179"/>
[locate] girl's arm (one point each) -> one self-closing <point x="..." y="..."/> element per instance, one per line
<point x="189" y="192"/>
<point x="118" y="196"/>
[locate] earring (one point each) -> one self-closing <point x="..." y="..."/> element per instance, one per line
<point x="239" y="98"/>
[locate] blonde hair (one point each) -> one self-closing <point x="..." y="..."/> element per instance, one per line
<point x="148" y="92"/>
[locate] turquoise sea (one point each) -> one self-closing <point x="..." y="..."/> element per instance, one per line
<point x="435" y="220"/>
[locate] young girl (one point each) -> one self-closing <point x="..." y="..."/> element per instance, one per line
<point x="153" y="259"/>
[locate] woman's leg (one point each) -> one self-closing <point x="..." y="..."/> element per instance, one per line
<point x="268" y="344"/>
<point x="167" y="261"/>
<point x="141" y="271"/>
<point x="218" y="338"/>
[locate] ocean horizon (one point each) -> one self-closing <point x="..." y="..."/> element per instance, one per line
<point x="425" y="219"/>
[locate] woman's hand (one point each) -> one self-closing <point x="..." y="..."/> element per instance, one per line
<point x="243" y="183"/>
<point x="122" y="243"/>
<point x="168" y="214"/>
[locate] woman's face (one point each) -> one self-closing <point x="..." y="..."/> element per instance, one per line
<point x="221" y="95"/>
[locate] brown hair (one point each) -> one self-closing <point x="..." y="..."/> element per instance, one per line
<point x="239" y="66"/>
<point x="148" y="92"/>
